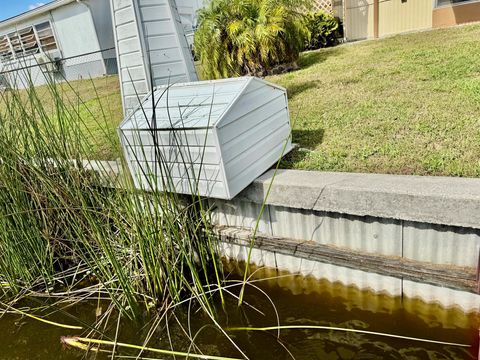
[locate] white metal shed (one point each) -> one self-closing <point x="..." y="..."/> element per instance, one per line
<point x="151" y="47"/>
<point x="211" y="137"/>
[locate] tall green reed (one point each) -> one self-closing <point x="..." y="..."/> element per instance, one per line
<point x="65" y="227"/>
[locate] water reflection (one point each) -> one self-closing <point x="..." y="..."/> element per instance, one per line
<point x="298" y="301"/>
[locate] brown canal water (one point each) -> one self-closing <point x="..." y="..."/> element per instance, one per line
<point x="298" y="301"/>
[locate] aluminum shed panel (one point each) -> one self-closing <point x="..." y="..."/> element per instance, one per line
<point x="254" y="134"/>
<point x="200" y="104"/>
<point x="211" y="138"/>
<point x="151" y="48"/>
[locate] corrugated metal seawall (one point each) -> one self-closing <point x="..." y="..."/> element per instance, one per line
<point x="362" y="280"/>
<point x="420" y="259"/>
<point x="429" y="243"/>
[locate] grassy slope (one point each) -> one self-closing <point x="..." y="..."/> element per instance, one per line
<point x="100" y="107"/>
<point x="406" y="105"/>
<point x="104" y="114"/>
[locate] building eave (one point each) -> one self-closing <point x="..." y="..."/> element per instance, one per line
<point x="34" y="12"/>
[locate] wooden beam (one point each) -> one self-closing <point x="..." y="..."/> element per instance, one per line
<point x="376" y="9"/>
<point x="454" y="277"/>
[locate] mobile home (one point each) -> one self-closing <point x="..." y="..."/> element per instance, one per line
<point x="67" y="39"/>
<point x="369" y="19"/>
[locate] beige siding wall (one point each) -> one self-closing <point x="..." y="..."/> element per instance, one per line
<point x="359" y="19"/>
<point x="396" y="16"/>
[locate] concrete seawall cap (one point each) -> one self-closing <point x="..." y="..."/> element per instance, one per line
<point x="437" y="200"/>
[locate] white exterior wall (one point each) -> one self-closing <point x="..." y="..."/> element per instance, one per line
<point x="75" y="30"/>
<point x="151" y="44"/>
<point x="358" y="20"/>
<point x="75" y="34"/>
<point x="102" y="18"/>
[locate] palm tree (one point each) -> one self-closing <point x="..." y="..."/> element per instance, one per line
<point x="249" y="37"/>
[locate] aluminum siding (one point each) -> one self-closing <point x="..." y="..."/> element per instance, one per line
<point x="253" y="133"/>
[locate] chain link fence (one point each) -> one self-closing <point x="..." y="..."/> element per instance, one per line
<point x="39" y="69"/>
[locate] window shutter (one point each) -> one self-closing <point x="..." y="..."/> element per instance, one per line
<point x="29" y="41"/>
<point x="5" y="50"/>
<point x="46" y="37"/>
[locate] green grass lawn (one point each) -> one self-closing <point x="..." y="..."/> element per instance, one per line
<point x="103" y="116"/>
<point x="99" y="105"/>
<point x="409" y="104"/>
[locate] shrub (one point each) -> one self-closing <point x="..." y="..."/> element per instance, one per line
<point x="249" y="37"/>
<point x="324" y="30"/>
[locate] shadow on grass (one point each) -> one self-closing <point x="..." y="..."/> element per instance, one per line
<point x="298" y="88"/>
<point x="310" y="58"/>
<point x="307" y="60"/>
<point x="307" y="140"/>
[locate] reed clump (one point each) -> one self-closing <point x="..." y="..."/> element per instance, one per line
<point x="65" y="229"/>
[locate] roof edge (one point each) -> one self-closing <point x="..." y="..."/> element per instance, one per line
<point x="248" y="80"/>
<point x="34" y="12"/>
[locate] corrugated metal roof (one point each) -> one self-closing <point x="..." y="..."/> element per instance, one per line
<point x="195" y="105"/>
